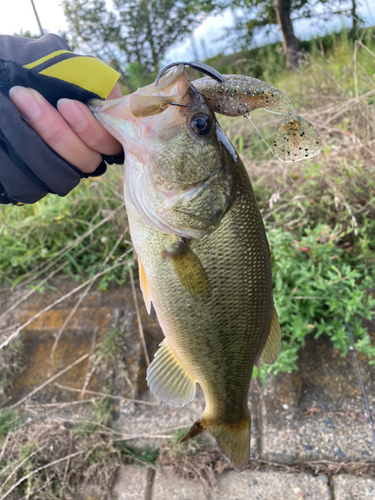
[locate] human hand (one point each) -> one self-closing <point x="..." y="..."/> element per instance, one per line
<point x="71" y="131"/>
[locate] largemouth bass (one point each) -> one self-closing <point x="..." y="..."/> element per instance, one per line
<point x="204" y="260"/>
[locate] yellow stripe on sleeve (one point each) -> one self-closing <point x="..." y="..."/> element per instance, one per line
<point x="46" y="58"/>
<point x="86" y="72"/>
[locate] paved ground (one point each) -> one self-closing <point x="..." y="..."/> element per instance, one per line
<point x="310" y="438"/>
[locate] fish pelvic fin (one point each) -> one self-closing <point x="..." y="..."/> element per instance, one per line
<point x="233" y="440"/>
<point x="144" y="286"/>
<point x="168" y="380"/>
<point x="272" y="348"/>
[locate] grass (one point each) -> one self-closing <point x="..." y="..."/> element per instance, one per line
<point x="320" y="221"/>
<point x="326" y="204"/>
<point x="320" y="214"/>
<point x="73" y="235"/>
<point x="85" y="234"/>
<point x="50" y="457"/>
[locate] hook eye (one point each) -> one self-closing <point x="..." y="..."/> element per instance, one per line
<point x="204" y="68"/>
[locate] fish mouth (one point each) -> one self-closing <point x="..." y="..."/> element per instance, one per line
<point x="130" y="118"/>
<point x="149" y="100"/>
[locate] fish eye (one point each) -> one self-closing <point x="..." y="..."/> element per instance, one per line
<point x="200" y="124"/>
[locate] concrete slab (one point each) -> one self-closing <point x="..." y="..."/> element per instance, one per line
<point x="131" y="483"/>
<point x="167" y="486"/>
<point x="318" y="412"/>
<point x="99" y="313"/>
<point x="347" y="487"/>
<point x="149" y="424"/>
<point x="253" y="485"/>
<point x="294" y="436"/>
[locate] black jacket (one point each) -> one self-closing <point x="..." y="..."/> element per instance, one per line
<point x="29" y="169"/>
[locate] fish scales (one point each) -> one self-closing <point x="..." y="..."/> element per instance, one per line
<point x="236" y="260"/>
<point x="203" y="256"/>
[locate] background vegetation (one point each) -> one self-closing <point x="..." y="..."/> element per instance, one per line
<point x="320" y="221"/>
<point x="319" y="213"/>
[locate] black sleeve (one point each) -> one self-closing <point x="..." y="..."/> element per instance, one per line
<point x="29" y="169"/>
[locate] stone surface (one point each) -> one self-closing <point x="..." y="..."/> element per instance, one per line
<point x="251" y="485"/>
<point x="323" y="416"/>
<point x="167" y="486"/>
<point x="88" y="492"/>
<point x="314" y="414"/>
<point x="151" y="425"/>
<point x="131" y="483"/>
<point x="99" y="313"/>
<point x="353" y="488"/>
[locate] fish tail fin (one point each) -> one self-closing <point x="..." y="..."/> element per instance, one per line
<point x="232" y="439"/>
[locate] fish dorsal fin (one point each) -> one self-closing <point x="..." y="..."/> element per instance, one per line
<point x="144" y="286"/>
<point x="168" y="380"/>
<point x="272" y="348"/>
<point x="188" y="268"/>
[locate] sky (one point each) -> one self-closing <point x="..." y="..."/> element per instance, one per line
<point x="19" y="15"/>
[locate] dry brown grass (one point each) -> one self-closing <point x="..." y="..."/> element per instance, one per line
<point x="51" y="456"/>
<point x="338" y="185"/>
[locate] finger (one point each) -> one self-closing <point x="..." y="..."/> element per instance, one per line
<point x="116" y="92"/>
<point x="87" y="128"/>
<point x="53" y="129"/>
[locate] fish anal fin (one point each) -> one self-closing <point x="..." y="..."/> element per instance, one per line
<point x="144" y="286"/>
<point x="272" y="348"/>
<point x="189" y="269"/>
<point x="168" y="380"/>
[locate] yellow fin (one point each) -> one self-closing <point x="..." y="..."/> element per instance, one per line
<point x="144" y="286"/>
<point x="272" y="348"/>
<point x="232" y="439"/>
<point x="189" y="269"/>
<point x="168" y="380"/>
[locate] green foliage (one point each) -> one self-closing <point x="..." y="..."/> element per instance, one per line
<point x="10" y="420"/>
<point x="260" y="15"/>
<point x="130" y="453"/>
<point x="319" y="287"/>
<point x="67" y="233"/>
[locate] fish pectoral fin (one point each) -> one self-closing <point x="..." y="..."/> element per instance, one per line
<point x="144" y="286"/>
<point x="168" y="380"/>
<point x="189" y="270"/>
<point x="272" y="348"/>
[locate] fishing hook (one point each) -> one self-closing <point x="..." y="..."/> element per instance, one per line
<point x="204" y="68"/>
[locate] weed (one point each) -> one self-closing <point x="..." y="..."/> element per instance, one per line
<point x="74" y="233"/>
<point x="148" y="456"/>
<point x="10" y="420"/>
<point x="302" y="203"/>
<point x="51" y="457"/>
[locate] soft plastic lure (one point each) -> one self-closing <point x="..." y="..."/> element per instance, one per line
<point x="236" y="95"/>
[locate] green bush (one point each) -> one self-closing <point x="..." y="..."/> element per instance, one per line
<point x="319" y="286"/>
